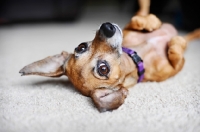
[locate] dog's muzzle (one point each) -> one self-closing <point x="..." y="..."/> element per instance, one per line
<point x="112" y="35"/>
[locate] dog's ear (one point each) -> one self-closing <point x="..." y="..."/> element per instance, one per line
<point x="107" y="99"/>
<point x="51" y="66"/>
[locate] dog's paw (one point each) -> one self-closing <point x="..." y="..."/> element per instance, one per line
<point x="179" y="41"/>
<point x="149" y="22"/>
<point x="138" y="22"/>
<point x="176" y="48"/>
<point x="175" y="52"/>
<point x="152" y="23"/>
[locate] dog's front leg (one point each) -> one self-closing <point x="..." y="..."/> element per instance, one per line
<point x="144" y="7"/>
<point x="107" y="99"/>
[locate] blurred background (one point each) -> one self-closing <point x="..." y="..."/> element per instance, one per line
<point x="31" y="30"/>
<point x="184" y="14"/>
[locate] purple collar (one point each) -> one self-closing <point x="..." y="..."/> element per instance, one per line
<point x="137" y="60"/>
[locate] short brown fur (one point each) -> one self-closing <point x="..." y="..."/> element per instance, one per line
<point x="159" y="47"/>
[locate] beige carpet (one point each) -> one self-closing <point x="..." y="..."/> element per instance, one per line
<point x="39" y="104"/>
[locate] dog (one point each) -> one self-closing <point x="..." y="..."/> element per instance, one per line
<point x="115" y="60"/>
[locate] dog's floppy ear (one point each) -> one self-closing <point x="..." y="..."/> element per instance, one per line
<point x="107" y="99"/>
<point x="51" y="66"/>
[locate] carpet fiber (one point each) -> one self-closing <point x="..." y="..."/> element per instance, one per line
<point x="34" y="103"/>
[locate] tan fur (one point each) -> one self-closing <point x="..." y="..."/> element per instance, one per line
<point x="159" y="47"/>
<point x="152" y="48"/>
<point x="144" y="7"/>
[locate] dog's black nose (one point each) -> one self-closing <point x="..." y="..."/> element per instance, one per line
<point x="107" y="29"/>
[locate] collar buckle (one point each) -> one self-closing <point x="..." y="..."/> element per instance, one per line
<point x="136" y="58"/>
<point x="138" y="62"/>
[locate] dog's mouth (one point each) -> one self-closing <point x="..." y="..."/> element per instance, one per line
<point x="112" y="35"/>
<point x="108" y="30"/>
<point x="118" y="28"/>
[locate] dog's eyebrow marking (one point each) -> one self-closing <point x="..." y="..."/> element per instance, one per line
<point x="78" y="54"/>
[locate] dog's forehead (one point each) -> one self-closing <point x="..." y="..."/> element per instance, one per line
<point x="91" y="59"/>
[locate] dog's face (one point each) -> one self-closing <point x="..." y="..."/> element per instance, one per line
<point x="96" y="68"/>
<point x="96" y="64"/>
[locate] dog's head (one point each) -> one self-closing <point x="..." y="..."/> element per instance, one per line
<point x="94" y="65"/>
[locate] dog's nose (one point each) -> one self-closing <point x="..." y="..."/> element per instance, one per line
<point x="107" y="29"/>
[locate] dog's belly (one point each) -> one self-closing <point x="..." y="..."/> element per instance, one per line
<point x="155" y="59"/>
<point x="153" y="50"/>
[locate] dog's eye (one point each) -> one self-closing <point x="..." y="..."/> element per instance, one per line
<point x="81" y="48"/>
<point x="103" y="68"/>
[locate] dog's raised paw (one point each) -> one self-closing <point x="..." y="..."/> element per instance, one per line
<point x="152" y="23"/>
<point x="138" y="22"/>
<point x="148" y="23"/>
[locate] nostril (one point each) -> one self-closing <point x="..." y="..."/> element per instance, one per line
<point x="111" y="28"/>
<point x="107" y="29"/>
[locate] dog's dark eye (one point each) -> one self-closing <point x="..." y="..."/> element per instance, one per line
<point x="103" y="68"/>
<point x="81" y="48"/>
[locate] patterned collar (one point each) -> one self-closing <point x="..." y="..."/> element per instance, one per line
<point x="138" y="62"/>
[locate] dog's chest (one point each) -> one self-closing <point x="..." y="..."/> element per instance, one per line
<point x="150" y="43"/>
<point x="158" y="44"/>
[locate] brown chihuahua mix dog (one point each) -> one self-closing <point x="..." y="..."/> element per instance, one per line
<point x="115" y="60"/>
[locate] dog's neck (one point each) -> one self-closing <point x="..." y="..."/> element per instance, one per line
<point x="137" y="60"/>
<point x="129" y="70"/>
